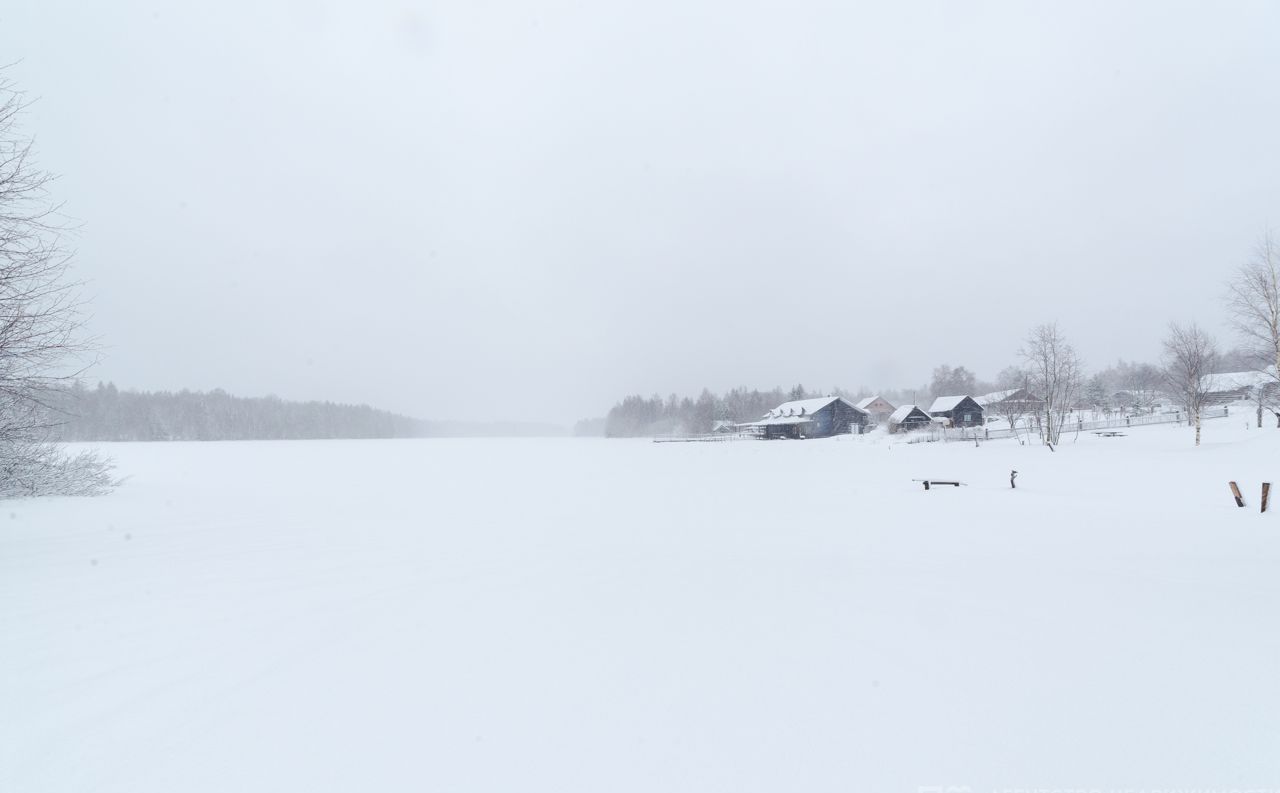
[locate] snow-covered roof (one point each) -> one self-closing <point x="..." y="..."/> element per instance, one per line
<point x="1017" y="395"/>
<point x="899" y="415"/>
<point x="1235" y="381"/>
<point x="806" y="407"/>
<point x="775" y="420"/>
<point x="944" y="403"/>
<point x="995" y="396"/>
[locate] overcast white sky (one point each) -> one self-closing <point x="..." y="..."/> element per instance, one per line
<point x="527" y="210"/>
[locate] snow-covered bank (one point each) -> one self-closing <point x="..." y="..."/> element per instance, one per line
<point x="586" y="615"/>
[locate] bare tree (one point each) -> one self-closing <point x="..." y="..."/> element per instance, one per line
<point x="948" y="381"/>
<point x="1055" y="374"/>
<point x="42" y="347"/>
<point x="1253" y="299"/>
<point x="1142" y="382"/>
<point x="1014" y="407"/>
<point x="1189" y="355"/>
<point x="1266" y="398"/>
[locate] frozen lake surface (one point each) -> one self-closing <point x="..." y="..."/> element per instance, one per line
<point x="590" y="615"/>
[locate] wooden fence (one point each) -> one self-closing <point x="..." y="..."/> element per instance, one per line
<point x="1070" y="426"/>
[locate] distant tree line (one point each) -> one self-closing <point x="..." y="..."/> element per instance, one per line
<point x="106" y="413"/>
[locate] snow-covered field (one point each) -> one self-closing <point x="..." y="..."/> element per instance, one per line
<point x="589" y="615"/>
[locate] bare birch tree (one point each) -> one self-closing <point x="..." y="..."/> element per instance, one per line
<point x="1265" y="397"/>
<point x="1189" y="355"/>
<point x="1253" y="299"/>
<point x="42" y="347"/>
<point x="1055" y="374"/>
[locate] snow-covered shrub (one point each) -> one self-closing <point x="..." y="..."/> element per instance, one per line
<point x="37" y="468"/>
<point x="42" y="345"/>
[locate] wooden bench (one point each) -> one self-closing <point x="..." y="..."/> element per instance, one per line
<point x="931" y="482"/>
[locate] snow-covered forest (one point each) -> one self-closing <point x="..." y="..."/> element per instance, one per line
<point x="107" y="413"/>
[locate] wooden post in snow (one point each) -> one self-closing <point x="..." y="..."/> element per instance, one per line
<point x="1266" y="495"/>
<point x="1235" y="491"/>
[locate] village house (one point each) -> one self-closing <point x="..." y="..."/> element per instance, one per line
<point x="879" y="408"/>
<point x="959" y="411"/>
<point x="1013" y="400"/>
<point x="908" y="418"/>
<point x="1227" y="387"/>
<point x="811" y="418"/>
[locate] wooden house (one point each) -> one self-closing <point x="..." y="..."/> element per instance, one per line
<point x="908" y="418"/>
<point x="879" y="408"/>
<point x="1013" y="400"/>
<point x="1227" y="387"/>
<point x="959" y="411"/>
<point x="812" y="418"/>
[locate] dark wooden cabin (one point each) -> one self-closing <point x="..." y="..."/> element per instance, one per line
<point x="1015" y="400"/>
<point x="908" y="418"/>
<point x="962" y="411"/>
<point x="812" y="418"/>
<point x="1227" y="387"/>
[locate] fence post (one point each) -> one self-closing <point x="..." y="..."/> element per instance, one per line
<point x="1235" y="492"/>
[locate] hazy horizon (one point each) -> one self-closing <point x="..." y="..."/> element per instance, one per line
<point x="432" y="208"/>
